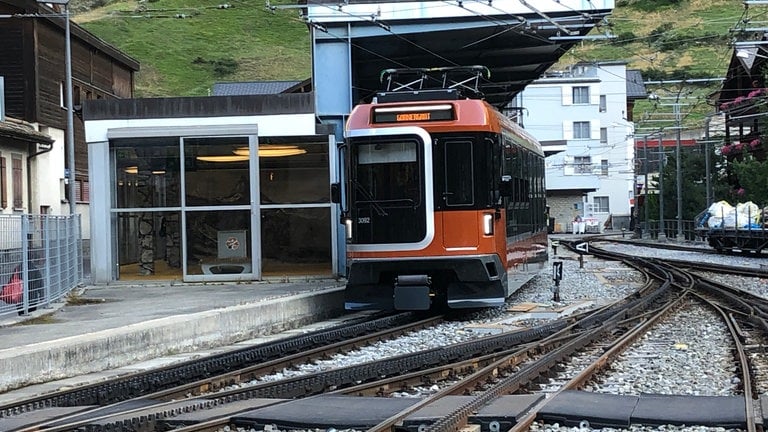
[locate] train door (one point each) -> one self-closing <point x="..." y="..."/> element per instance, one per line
<point x="460" y="229"/>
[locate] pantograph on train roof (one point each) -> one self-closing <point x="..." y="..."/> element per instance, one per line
<point x="452" y="82"/>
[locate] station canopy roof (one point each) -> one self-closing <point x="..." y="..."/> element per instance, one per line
<point x="516" y="40"/>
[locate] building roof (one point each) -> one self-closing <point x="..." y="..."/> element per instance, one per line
<point x="199" y="106"/>
<point x="529" y="41"/>
<point x="22" y="131"/>
<point x="635" y="85"/>
<point x="558" y="182"/>
<point x="252" y="88"/>
<point x="584" y="183"/>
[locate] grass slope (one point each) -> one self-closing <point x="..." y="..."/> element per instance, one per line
<point x="184" y="46"/>
<point x="666" y="39"/>
<point x="686" y="39"/>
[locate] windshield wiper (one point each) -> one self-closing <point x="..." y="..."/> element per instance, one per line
<point x="371" y="201"/>
<point x="407" y="201"/>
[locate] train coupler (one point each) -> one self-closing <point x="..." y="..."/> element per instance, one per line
<point x="412" y="292"/>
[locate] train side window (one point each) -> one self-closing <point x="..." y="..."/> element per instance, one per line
<point x="459" y="173"/>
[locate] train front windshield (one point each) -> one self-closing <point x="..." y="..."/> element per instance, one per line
<point x="387" y="190"/>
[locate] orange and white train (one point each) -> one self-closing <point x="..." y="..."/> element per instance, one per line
<point x="445" y="203"/>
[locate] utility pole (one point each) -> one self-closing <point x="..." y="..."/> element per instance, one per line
<point x="662" y="233"/>
<point x="707" y="162"/>
<point x="679" y="171"/>
<point x="646" y="232"/>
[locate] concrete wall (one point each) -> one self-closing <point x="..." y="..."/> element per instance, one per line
<point x="47" y="174"/>
<point x="562" y="209"/>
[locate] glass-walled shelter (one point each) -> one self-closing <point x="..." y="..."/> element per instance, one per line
<point x="219" y="199"/>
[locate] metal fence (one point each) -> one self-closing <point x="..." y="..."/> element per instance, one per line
<point x="42" y="255"/>
<point x="668" y="229"/>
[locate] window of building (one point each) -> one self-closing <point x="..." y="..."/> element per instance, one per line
<point x="582" y="164"/>
<point x="581" y="95"/>
<point x="600" y="205"/>
<point x="76" y="95"/>
<point x="82" y="191"/>
<point x="581" y="130"/>
<point x="604" y="135"/>
<point x="604" y="167"/>
<point x="18" y="182"/>
<point x="603" y="104"/>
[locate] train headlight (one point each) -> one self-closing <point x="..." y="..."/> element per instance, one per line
<point x="348" y="226"/>
<point x="488" y="224"/>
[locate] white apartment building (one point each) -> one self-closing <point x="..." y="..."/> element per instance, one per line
<point x="582" y="116"/>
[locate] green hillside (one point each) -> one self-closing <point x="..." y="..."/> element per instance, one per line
<point x="184" y="46"/>
<point x="684" y="39"/>
<point x="673" y="41"/>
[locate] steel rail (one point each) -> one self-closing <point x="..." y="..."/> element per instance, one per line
<point x="142" y="383"/>
<point x="617" y="348"/>
<point x="171" y="396"/>
<point x="743" y="360"/>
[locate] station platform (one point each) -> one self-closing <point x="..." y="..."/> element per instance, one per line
<point x="116" y="329"/>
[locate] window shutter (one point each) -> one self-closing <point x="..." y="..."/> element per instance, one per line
<point x="567" y="95"/>
<point x="3" y="184"/>
<point x="569" y="163"/>
<point x="567" y="130"/>
<point x="18" y="183"/>
<point x="594" y="94"/>
<point x="85" y="191"/>
<point x="594" y="128"/>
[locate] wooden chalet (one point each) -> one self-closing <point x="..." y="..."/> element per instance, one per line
<point x="33" y="64"/>
<point x="743" y="99"/>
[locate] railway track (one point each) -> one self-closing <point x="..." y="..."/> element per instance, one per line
<point x="757" y="271"/>
<point x="195" y="377"/>
<point x="469" y="376"/>
<point x="488" y="378"/>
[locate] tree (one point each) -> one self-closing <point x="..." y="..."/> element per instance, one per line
<point x="752" y="175"/>
<point x="694" y="187"/>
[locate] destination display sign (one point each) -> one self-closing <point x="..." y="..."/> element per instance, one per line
<point x="420" y="113"/>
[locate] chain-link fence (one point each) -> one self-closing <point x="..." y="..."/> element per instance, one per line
<point x="41" y="260"/>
